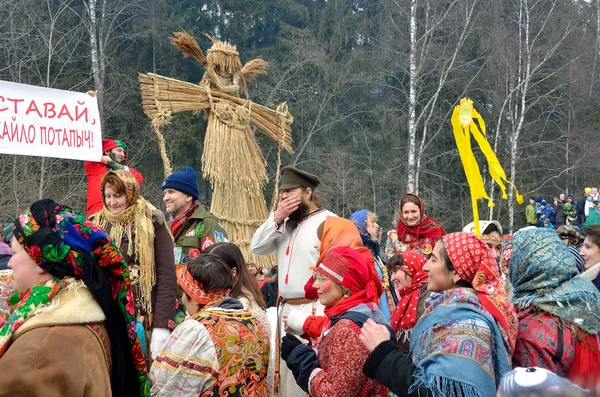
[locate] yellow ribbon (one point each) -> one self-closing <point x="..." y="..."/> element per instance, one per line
<point x="463" y="127"/>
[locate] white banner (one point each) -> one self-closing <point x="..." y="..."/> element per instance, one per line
<point x="37" y="121"/>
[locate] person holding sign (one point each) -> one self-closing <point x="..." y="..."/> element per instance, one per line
<point x="113" y="159"/>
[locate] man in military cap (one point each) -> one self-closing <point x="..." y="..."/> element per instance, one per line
<point x="291" y="231"/>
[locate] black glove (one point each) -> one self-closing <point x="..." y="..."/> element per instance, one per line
<point x="302" y="361"/>
<point x="288" y="343"/>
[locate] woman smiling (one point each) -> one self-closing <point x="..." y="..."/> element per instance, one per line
<point x="468" y="324"/>
<point x="415" y="231"/>
<point x="140" y="231"/>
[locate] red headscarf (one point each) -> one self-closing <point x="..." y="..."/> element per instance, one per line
<point x="404" y="316"/>
<point x="340" y="232"/>
<point x="473" y="261"/>
<point x="349" y="268"/>
<point x="427" y="228"/>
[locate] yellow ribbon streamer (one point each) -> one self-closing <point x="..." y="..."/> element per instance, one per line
<point x="463" y="127"/>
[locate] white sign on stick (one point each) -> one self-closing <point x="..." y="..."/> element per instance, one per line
<point x="37" y="121"/>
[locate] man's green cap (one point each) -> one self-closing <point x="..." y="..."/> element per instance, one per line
<point x="292" y="178"/>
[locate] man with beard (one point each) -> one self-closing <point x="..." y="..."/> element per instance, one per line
<point x="291" y="231"/>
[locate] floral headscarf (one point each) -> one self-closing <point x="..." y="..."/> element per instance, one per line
<point x="404" y="316"/>
<point x="349" y="268"/>
<point x="7" y="281"/>
<point x="507" y="250"/>
<point x="62" y="242"/>
<point x="543" y="274"/>
<point x="473" y="262"/>
<point x="361" y="220"/>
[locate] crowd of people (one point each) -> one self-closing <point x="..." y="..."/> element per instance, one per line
<point x="125" y="302"/>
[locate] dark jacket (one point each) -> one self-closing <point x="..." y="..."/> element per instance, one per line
<point x="4" y="261"/>
<point x="164" y="292"/>
<point x="581" y="209"/>
<point x="394" y="369"/>
<point x="558" y="210"/>
<point x="269" y="291"/>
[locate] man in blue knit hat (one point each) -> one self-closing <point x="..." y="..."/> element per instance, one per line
<point x="194" y="227"/>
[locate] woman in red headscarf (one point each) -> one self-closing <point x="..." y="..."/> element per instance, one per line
<point x="463" y="343"/>
<point x="415" y="231"/>
<point x="410" y="281"/>
<point x="334" y="368"/>
<point x="334" y="232"/>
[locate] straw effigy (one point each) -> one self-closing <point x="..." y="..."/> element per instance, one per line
<point x="231" y="160"/>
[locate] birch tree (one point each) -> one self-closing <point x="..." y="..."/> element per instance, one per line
<point x="437" y="34"/>
<point x="528" y="65"/>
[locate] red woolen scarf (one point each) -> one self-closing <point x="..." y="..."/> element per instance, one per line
<point x="404" y="316"/>
<point x="348" y="268"/>
<point x="427" y="227"/>
<point x="177" y="223"/>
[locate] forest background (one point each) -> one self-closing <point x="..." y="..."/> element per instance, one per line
<point x="371" y="85"/>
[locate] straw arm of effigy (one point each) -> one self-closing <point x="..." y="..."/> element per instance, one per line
<point x="162" y="96"/>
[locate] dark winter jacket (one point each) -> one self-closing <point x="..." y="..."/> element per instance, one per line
<point x="581" y="209"/>
<point x="4" y="261"/>
<point x="394" y="369"/>
<point x="558" y="210"/>
<point x="548" y="213"/>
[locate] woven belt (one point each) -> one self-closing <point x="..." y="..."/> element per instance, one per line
<point x="280" y="301"/>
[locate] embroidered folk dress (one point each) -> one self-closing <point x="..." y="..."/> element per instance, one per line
<point x="220" y="351"/>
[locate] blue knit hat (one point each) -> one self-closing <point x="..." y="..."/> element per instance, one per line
<point x="185" y="180"/>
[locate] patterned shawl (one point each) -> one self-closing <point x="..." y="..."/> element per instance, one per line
<point x="404" y="317"/>
<point x="62" y="242"/>
<point x="473" y="261"/>
<point x="7" y="281"/>
<point x="458" y="347"/>
<point x="543" y="274"/>
<point x="427" y="228"/>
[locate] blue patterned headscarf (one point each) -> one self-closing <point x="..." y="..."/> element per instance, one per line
<point x="360" y="220"/>
<point x="544" y="274"/>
